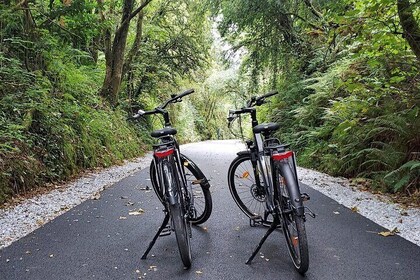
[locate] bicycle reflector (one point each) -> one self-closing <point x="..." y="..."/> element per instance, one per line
<point x="281" y="156"/>
<point x="164" y="153"/>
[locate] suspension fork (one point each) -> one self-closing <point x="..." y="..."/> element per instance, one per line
<point x="259" y="164"/>
<point x="255" y="168"/>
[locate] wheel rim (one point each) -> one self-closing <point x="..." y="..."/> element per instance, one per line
<point x="249" y="197"/>
<point x="292" y="238"/>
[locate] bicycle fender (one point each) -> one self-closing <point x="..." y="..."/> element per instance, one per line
<point x="243" y="153"/>
<point x="250" y="154"/>
<point x="172" y="197"/>
<point x="292" y="187"/>
<point x="204" y="183"/>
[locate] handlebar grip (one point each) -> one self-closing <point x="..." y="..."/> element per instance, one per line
<point x="141" y="113"/>
<point x="188" y="91"/>
<point x="268" y="94"/>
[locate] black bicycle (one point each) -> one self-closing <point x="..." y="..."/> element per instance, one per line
<point x="179" y="184"/>
<point x="264" y="184"/>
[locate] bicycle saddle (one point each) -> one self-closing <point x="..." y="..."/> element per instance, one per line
<point x="265" y="127"/>
<point x="163" y="132"/>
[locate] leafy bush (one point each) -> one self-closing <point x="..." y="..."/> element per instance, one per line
<point x="50" y="132"/>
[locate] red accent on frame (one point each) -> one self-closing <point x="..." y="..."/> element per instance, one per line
<point x="165" y="153"/>
<point x="281" y="156"/>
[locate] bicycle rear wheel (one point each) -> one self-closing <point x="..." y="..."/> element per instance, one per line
<point x="293" y="224"/>
<point x="248" y="195"/>
<point x="181" y="229"/>
<point x="180" y="225"/>
<point x="200" y="187"/>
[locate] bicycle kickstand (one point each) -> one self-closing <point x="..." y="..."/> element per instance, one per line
<point x="162" y="227"/>
<point x="272" y="227"/>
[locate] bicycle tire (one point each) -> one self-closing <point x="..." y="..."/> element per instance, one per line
<point x="177" y="214"/>
<point x="203" y="203"/>
<point x="293" y="224"/>
<point x="242" y="185"/>
<point x="180" y="227"/>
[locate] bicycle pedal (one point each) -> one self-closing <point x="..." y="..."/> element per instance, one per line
<point x="166" y="231"/>
<point x="255" y="221"/>
<point x="305" y="197"/>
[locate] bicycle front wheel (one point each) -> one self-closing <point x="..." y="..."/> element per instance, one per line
<point x="292" y="223"/>
<point x="200" y="189"/>
<point x="248" y="195"/>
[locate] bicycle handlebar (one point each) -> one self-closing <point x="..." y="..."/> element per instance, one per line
<point x="258" y="101"/>
<point x="176" y="98"/>
<point x="161" y="109"/>
<point x="254" y="101"/>
<point x="268" y="95"/>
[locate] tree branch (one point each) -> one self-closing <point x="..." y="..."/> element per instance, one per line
<point x="133" y="14"/>
<point x="314" y="11"/>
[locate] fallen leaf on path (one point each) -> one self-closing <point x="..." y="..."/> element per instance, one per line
<point x="336" y="212"/>
<point x="153" y="268"/>
<point x="198" y="272"/>
<point x="355" y="209"/>
<point x="136" y="212"/>
<point x="122" y="218"/>
<point x="389" y="233"/>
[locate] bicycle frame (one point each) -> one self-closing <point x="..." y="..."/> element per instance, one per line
<point x="263" y="151"/>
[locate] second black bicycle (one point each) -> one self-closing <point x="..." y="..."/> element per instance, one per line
<point x="264" y="184"/>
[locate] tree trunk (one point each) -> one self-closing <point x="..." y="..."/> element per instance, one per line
<point x="114" y="55"/>
<point x="136" y="44"/>
<point x="29" y="27"/>
<point x="411" y="29"/>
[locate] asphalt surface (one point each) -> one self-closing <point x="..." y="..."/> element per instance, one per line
<point x="100" y="240"/>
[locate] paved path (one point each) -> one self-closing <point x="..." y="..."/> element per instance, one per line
<point x="100" y="240"/>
